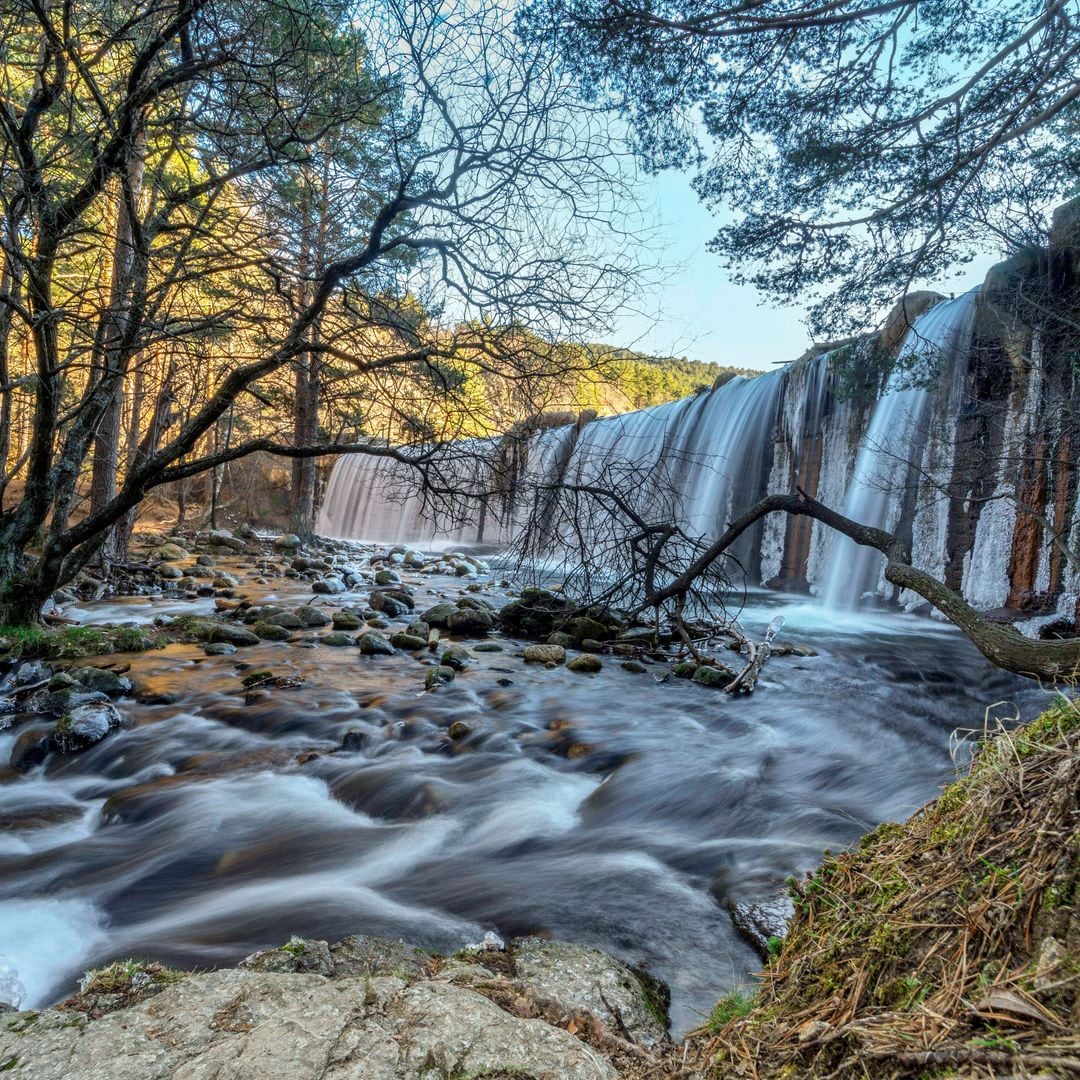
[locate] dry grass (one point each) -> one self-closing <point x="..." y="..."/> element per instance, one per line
<point x="948" y="946"/>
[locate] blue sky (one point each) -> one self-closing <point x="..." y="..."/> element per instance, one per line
<point x="698" y="313"/>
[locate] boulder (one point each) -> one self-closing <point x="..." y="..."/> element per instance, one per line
<point x="267" y="631"/>
<point x="288" y="542"/>
<point x="439" y="615"/>
<point x="578" y="977"/>
<point x="457" y="658"/>
<point x="408" y="642"/>
<point x="84" y="726"/>
<point x="719" y="677"/>
<point x="328" y="586"/>
<point x="470" y="620"/>
<point x="336" y="639"/>
<point x="288" y="619"/>
<point x="312" y="616"/>
<point x="225" y="539"/>
<point x="586" y="663"/>
<point x="762" y="921"/>
<point x="218" y="648"/>
<point x="372" y="643"/>
<point x="169" y="553"/>
<point x="347" y="620"/>
<point x="232" y="634"/>
<point x="544" y="654"/>
<point x="102" y="680"/>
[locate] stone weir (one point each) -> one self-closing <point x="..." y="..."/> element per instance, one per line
<point x="956" y="425"/>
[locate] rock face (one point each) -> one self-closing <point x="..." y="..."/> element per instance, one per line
<point x="362" y="1009"/>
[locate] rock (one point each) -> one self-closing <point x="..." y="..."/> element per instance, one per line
<point x="225" y="539"/>
<point x="458" y="730"/>
<point x="249" y="1025"/>
<point x="84" y="726"/>
<point x="266" y="631"/>
<point x="223" y="580"/>
<point x="287" y="619"/>
<point x="470" y="621"/>
<point x="641" y="635"/>
<point x="544" y="654"/>
<point x="438" y="676"/>
<point x="581" y="628"/>
<point x="578" y="977"/>
<point x="288" y="542"/>
<point x="719" y="677"/>
<point x="297" y="954"/>
<point x="102" y="680"/>
<point x="439" y="615"/>
<point x="247" y="532"/>
<point x="31" y="747"/>
<point x="31" y="671"/>
<point x="387" y="577"/>
<point x="347" y="620"/>
<point x="218" y="648"/>
<point x="232" y="634"/>
<point x="373" y="643"/>
<point x="487" y="646"/>
<point x="633" y="665"/>
<point x="359" y="955"/>
<point x="685" y="669"/>
<point x="336" y="639"/>
<point x="557" y="637"/>
<point x="761" y="921"/>
<point x="67" y="698"/>
<point x="170" y="573"/>
<point x="586" y="663"/>
<point x="408" y="642"/>
<point x="328" y="586"/>
<point x="456" y="657"/>
<point x="392" y="602"/>
<point x="313" y="616"/>
<point x="169" y="553"/>
<point x="204" y="560"/>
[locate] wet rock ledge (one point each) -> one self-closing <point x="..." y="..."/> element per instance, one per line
<point x="360" y="1008"/>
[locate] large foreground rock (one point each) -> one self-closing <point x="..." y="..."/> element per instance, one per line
<point x="251" y="1025"/>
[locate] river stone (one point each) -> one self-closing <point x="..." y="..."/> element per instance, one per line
<point x="360" y="954"/>
<point x="218" y="648"/>
<point x="84" y="726"/>
<point x="438" y="615"/>
<point x="288" y="619"/>
<point x="408" y="642"/>
<point x="169" y="553"/>
<point x="634" y="666"/>
<point x="288" y="542"/>
<point x="66" y="698"/>
<point x="372" y="643"/>
<point x="313" y="616"/>
<point x="439" y="675"/>
<point x="392" y="602"/>
<point x="346" y="620"/>
<point x="102" y="680"/>
<point x="328" y="586"/>
<point x="224" y="580"/>
<point x="760" y="921"/>
<point x="337" y="639"/>
<point x="587" y="664"/>
<point x="470" y="620"/>
<point x="250" y="1025"/>
<point x="205" y="560"/>
<point x="233" y="634"/>
<point x="297" y="955"/>
<point x="387" y="577"/>
<point x="706" y="675"/>
<point x="31" y="747"/>
<point x="225" y="539"/>
<point x="684" y="669"/>
<point x="31" y="671"/>
<point x="487" y="646"/>
<point x="544" y="654"/>
<point x="578" y="977"/>
<point x="171" y="573"/>
<point x="266" y="631"/>
<point x="457" y="658"/>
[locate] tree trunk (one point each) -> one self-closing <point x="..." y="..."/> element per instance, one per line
<point x="110" y="363"/>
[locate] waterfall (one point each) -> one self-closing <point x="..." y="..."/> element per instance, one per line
<point x="889" y="458"/>
<point x="710" y="453"/>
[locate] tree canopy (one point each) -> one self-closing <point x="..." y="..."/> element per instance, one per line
<point x="859" y="146"/>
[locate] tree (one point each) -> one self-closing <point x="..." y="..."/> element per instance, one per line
<point x="497" y="183"/>
<point x="859" y="145"/>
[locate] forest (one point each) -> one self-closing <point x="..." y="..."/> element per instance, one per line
<point x="411" y="669"/>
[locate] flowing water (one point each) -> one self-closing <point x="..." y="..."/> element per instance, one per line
<point x="227" y="819"/>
